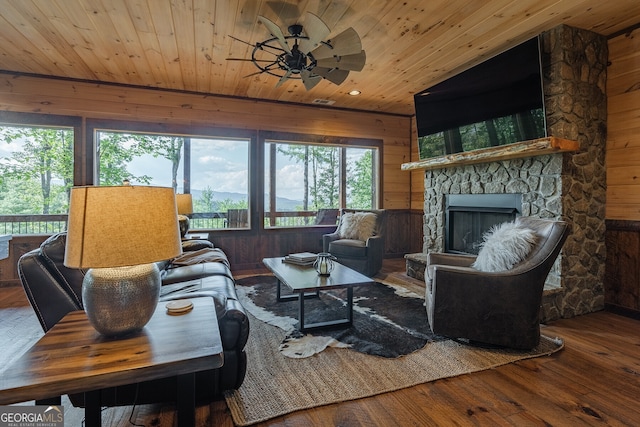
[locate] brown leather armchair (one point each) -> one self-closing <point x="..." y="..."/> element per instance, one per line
<point x="499" y="308"/>
<point x="363" y="256"/>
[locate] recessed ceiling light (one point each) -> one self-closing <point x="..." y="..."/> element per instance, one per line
<point x="354" y="92"/>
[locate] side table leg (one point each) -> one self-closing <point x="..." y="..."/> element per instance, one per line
<point x="92" y="409"/>
<point x="54" y="401"/>
<point x="186" y="404"/>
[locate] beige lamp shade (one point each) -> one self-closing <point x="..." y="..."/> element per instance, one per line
<point x="121" y="226"/>
<point x="185" y="204"/>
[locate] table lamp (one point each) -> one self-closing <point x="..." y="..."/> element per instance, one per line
<point x="185" y="207"/>
<point x="118" y="233"/>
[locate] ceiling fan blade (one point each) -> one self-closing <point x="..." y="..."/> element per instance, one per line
<point x="287" y="13"/>
<point x="335" y="76"/>
<point x="275" y="32"/>
<point x="308" y="80"/>
<point x="253" y="74"/>
<point x="348" y="62"/>
<point x="241" y="41"/>
<point x="316" y="30"/>
<point x="346" y="43"/>
<point x="283" y="78"/>
<point x="249" y="60"/>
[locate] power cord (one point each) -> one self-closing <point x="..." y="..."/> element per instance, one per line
<point x="133" y="408"/>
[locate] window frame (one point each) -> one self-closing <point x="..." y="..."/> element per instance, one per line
<point x="85" y="158"/>
<point x="191" y="131"/>
<point x="20" y="119"/>
<point x="265" y="138"/>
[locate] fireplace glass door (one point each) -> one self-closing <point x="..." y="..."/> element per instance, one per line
<point x="469" y="228"/>
<point x="468" y="217"/>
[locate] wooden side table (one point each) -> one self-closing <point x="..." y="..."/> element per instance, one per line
<point x="72" y="357"/>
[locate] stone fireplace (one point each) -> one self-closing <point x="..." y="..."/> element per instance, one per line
<point x="565" y="185"/>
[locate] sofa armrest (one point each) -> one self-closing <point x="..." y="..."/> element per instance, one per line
<point x="438" y="258"/>
<point x="236" y="326"/>
<point x="375" y="250"/>
<point x="195" y="245"/>
<point x="50" y="298"/>
<point x="327" y="239"/>
<point x="232" y="318"/>
<point x="376" y="243"/>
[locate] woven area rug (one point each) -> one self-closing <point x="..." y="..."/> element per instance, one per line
<point x="276" y="385"/>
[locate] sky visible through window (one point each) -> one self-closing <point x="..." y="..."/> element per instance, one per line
<point x="218" y="164"/>
<point x="221" y="165"/>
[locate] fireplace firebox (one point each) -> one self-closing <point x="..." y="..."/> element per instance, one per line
<point x="469" y="216"/>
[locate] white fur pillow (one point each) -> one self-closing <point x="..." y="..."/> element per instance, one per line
<point x="357" y="226"/>
<point x="504" y="246"/>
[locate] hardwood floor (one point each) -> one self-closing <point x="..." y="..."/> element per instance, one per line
<point x="593" y="381"/>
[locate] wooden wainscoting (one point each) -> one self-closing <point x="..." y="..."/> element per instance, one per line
<point x="622" y="270"/>
<point x="18" y="245"/>
<point x="247" y="248"/>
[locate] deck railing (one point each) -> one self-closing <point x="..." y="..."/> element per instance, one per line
<point x="32" y="224"/>
<point x="50" y="224"/>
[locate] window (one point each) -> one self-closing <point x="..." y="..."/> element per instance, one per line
<point x="308" y="178"/>
<point x="213" y="170"/>
<point x="36" y="174"/>
<point x="306" y="184"/>
<point x="361" y="187"/>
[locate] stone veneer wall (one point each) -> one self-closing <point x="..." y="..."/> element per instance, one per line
<point x="570" y="186"/>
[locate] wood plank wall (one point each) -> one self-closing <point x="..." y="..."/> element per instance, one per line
<point x="622" y="284"/>
<point x="30" y="94"/>
<point x="417" y="176"/>
<point x="623" y="133"/>
<point x="417" y="192"/>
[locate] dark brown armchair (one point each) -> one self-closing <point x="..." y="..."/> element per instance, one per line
<point x="364" y="255"/>
<point x="499" y="308"/>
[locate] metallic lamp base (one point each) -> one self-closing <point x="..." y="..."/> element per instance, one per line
<point x="121" y="300"/>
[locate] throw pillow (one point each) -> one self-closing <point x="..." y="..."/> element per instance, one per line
<point x="357" y="226"/>
<point x="504" y="246"/>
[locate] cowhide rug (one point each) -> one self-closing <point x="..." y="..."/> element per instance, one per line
<point x="388" y="321"/>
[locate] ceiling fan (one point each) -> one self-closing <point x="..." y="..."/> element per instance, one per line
<point x="309" y="57"/>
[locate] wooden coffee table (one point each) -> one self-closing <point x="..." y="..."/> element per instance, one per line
<point x="73" y="358"/>
<point x="305" y="282"/>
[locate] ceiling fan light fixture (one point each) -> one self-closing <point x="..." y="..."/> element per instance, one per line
<point x="309" y="58"/>
<point x="295" y="29"/>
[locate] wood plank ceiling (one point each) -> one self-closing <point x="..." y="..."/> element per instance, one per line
<point x="183" y="44"/>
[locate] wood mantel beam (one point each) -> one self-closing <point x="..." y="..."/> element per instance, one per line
<point x="535" y="147"/>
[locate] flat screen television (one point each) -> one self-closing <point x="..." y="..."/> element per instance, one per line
<point x="497" y="102"/>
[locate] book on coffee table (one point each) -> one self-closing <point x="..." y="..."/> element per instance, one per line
<point x="301" y="258"/>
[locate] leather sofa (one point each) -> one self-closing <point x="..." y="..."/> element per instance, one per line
<point x="54" y="290"/>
